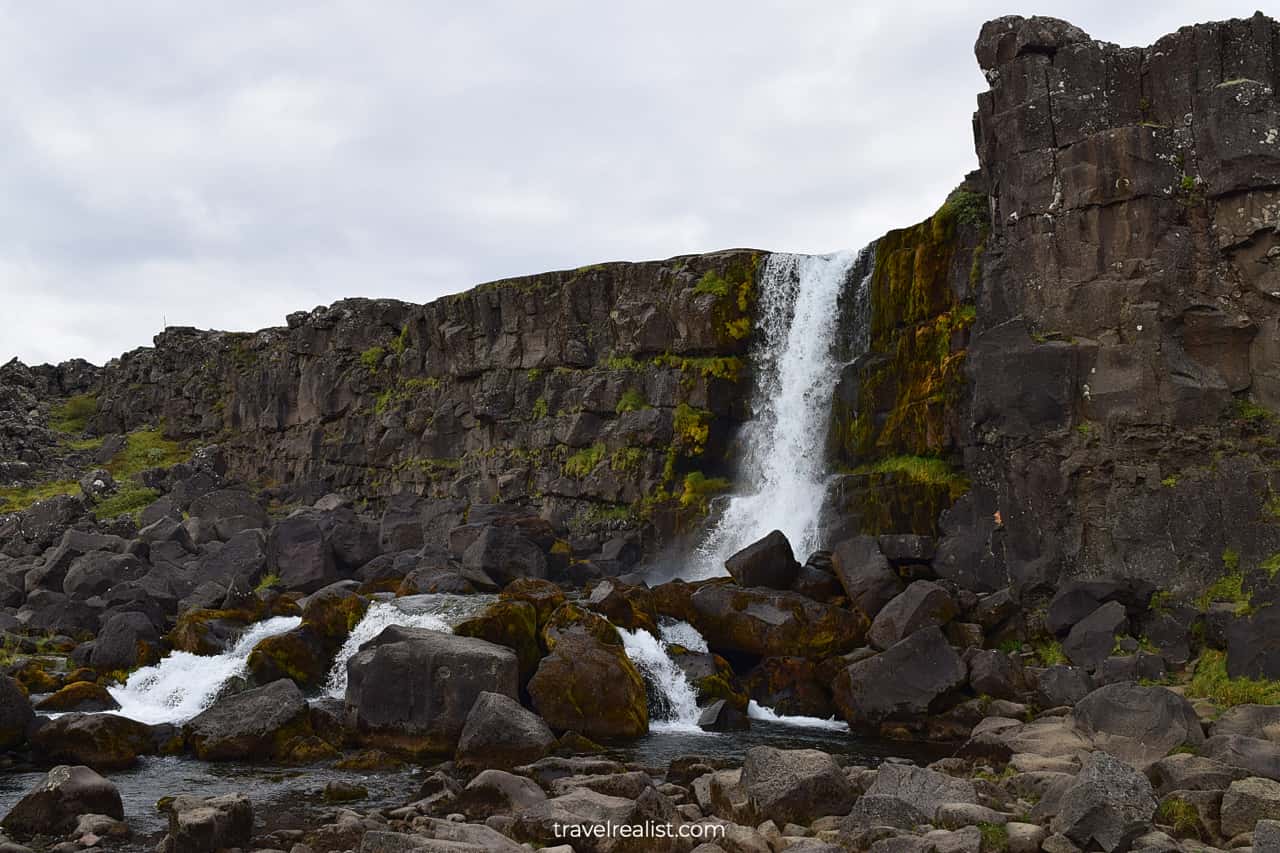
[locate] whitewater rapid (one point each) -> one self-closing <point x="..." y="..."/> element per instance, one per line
<point x="674" y="697"/>
<point x="783" y="477"/>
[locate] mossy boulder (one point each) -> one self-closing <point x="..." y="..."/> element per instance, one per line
<point x="675" y="599"/>
<point x="16" y="715"/>
<point x="101" y="741"/>
<point x="711" y="676"/>
<point x="770" y="622"/>
<point x="509" y="623"/>
<point x="544" y="595"/>
<point x="571" y="619"/>
<point x="625" y="605"/>
<point x="79" y="696"/>
<point x="590" y="687"/>
<point x="332" y="612"/>
<point x="34" y="675"/>
<point x="257" y="724"/>
<point x="300" y="655"/>
<point x="209" y="632"/>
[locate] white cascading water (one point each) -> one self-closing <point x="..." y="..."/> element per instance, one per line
<point x="433" y="612"/>
<point x="675" y="697"/>
<point x="756" y="711"/>
<point x="783" y="477"/>
<point x="182" y="685"/>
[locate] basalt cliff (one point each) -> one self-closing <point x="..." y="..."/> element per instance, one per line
<point x="1052" y="518"/>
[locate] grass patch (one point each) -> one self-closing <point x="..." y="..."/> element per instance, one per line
<point x="728" y="368"/>
<point x="583" y="462"/>
<point x="146" y="448"/>
<point x="372" y="358"/>
<point x="1228" y="588"/>
<point x="74" y="413"/>
<point x="995" y="837"/>
<point x="626" y="459"/>
<point x="85" y="443"/>
<point x="130" y="499"/>
<point x="631" y="401"/>
<point x="1049" y="652"/>
<point x="929" y="470"/>
<point x="1271" y="565"/>
<point x="713" y="283"/>
<point x="1211" y="682"/>
<point x="1181" y="816"/>
<point x="18" y="498"/>
<point x="1251" y="412"/>
<point x="271" y="580"/>
<point x="539" y="410"/>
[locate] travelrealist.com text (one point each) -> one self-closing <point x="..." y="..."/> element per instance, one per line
<point x="647" y="829"/>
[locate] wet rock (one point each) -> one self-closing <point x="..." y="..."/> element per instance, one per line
<point x="16" y="715"/>
<point x="501" y="733"/>
<point x="509" y="623"/>
<point x="769" y="623"/>
<point x="1135" y="723"/>
<point x="1108" y="804"/>
<point x="921" y="605"/>
<point x="54" y="805"/>
<point x="720" y="716"/>
<point x="544" y="595"/>
<point x="768" y="562"/>
<point x="592" y="688"/>
<point x="250" y="725"/>
<point x="790" y="686"/>
<point x="410" y="689"/>
<point x="865" y="574"/>
<point x="208" y="824"/>
<point x="625" y="605"/>
<point x="902" y="681"/>
<point x="795" y="785"/>
<point x="101" y="741"/>
<point x="126" y="642"/>
<point x="79" y="696"/>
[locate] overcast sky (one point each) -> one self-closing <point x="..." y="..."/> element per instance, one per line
<point x="221" y="168"/>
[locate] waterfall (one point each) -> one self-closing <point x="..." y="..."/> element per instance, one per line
<point x="436" y="612"/>
<point x="756" y="711"/>
<point x="675" y="700"/>
<point x="184" y="684"/>
<point x="783" y="475"/>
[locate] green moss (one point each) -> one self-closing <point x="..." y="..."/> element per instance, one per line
<point x="968" y="208"/>
<point x="1170" y="481"/>
<point x="728" y="368"/>
<point x="271" y="580"/>
<point x="995" y="837"/>
<point x="928" y="470"/>
<point x="626" y="459"/>
<point x="1250" y="412"/>
<point x="1181" y="816"/>
<point x="699" y="489"/>
<point x="1229" y="587"/>
<point x="692" y="428"/>
<point x="18" y="498"/>
<point x="130" y="499"/>
<point x="623" y="362"/>
<point x="1271" y="565"/>
<point x="714" y="284"/>
<point x="146" y="448"/>
<point x="1049" y="652"/>
<point x="1210" y="681"/>
<point x="631" y="401"/>
<point x="400" y="342"/>
<point x="85" y="443"/>
<point x="74" y="413"/>
<point x="584" y="461"/>
<point x="372" y="358"/>
<point x="539" y="410"/>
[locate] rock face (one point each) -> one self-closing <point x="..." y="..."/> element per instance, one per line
<point x="768" y="562"/>
<point x="773" y="623"/>
<point x="54" y="804"/>
<point x="411" y="689"/>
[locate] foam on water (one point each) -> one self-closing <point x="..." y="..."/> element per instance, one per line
<point x="756" y="711"/>
<point x="673" y="702"/>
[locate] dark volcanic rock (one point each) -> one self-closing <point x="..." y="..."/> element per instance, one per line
<point x="923" y="604"/>
<point x="250" y="725"/>
<point x="53" y="806"/>
<point x="1091" y="639"/>
<point x="591" y="688"/>
<point x="410" y="689"/>
<point x="902" y="681"/>
<point x="865" y="574"/>
<point x="208" y="824"/>
<point x="1108" y="804"/>
<point x="101" y="741"/>
<point x="773" y="623"/>
<point x="767" y="562"/>
<point x="499" y="732"/>
<point x="722" y="716"/>
<point x="16" y="715"/>
<point x="1135" y="723"/>
<point x="795" y="785"/>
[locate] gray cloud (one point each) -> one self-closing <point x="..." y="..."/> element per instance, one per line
<point x="221" y="166"/>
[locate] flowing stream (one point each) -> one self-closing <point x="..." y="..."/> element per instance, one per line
<point x="183" y="684"/>
<point x="673" y="702"/>
<point x="783" y="478"/>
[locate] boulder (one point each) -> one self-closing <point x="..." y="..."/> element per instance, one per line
<point x="301" y="655"/>
<point x="1077" y="599"/>
<point x="228" y="511"/>
<point x="499" y="792"/>
<point x="509" y="623"/>
<point x="1091" y="639"/>
<point x="96" y="572"/>
<point x="250" y="725"/>
<point x="241" y="560"/>
<point x="1253" y="645"/>
<point x="625" y="605"/>
<point x="790" y="686"/>
<point x="127" y="641"/>
<point x="767" y="562"/>
<point x="54" y="805"/>
<point x="994" y="673"/>
<point x="208" y="824"/>
<point x="1256" y="756"/>
<point x="864" y="572"/>
<point x="1107" y="804"/>
<point x="1135" y="723"/>
<point x="902" y="681"/>
<point x="1248" y="801"/>
<point x="411" y="689"/>
<point x="1257" y="721"/>
<point x="1063" y="685"/>
<point x="500" y="732"/>
<point x="544" y="595"/>
<point x="1184" y="772"/>
<point x="79" y="696"/>
<point x="591" y="688"/>
<point x="300" y="554"/>
<point x="766" y="622"/>
<point x="504" y="554"/>
<point x="101" y="741"/>
<point x="721" y="716"/>
<point x="925" y="790"/>
<point x="921" y="605"/>
<point x="16" y="714"/>
<point x="795" y="785"/>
